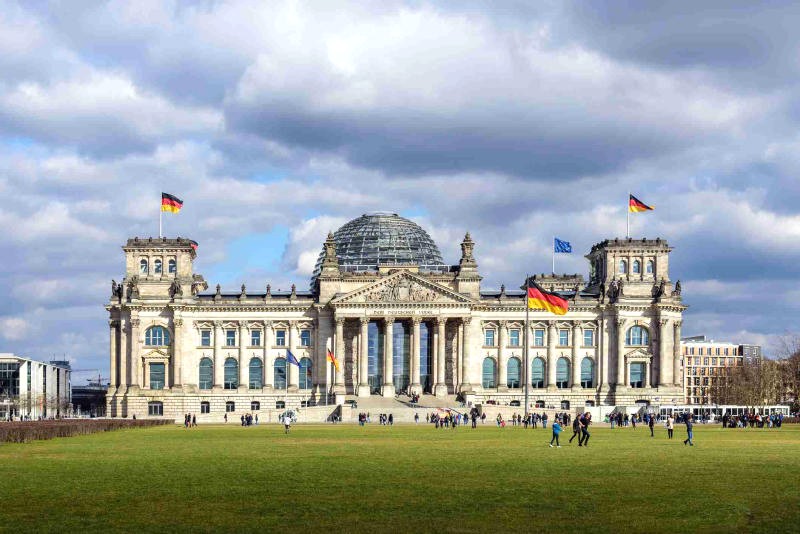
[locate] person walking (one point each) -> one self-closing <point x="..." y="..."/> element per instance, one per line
<point x="651" y="421"/>
<point x="287" y="423"/>
<point x="689" y="426"/>
<point x="586" y="420"/>
<point x="576" y="429"/>
<point x="670" y="426"/>
<point x="556" y="432"/>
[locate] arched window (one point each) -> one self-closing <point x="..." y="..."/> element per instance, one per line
<point x="280" y="373"/>
<point x="256" y="372"/>
<point x="562" y="373"/>
<point x="206" y="378"/>
<point x="637" y="336"/>
<point x="157" y="267"/>
<point x="537" y="373"/>
<point x="172" y="267"/>
<point x="637" y="375"/>
<point x="637" y="266"/>
<point x="305" y="373"/>
<point x="157" y="376"/>
<point x="513" y="379"/>
<point x="587" y="373"/>
<point x="156" y="336"/>
<point x="650" y="267"/>
<point x="489" y="373"/>
<point x="623" y="266"/>
<point x="143" y="266"/>
<point x="231" y="373"/>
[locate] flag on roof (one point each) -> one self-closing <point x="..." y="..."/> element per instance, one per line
<point x="561" y="247"/>
<point x="540" y="299"/>
<point x="635" y="205"/>
<point x="170" y="203"/>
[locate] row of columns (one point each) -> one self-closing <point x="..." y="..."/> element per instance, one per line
<point x="669" y="364"/>
<point x="438" y="358"/>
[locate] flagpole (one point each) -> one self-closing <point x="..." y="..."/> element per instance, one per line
<point x="525" y="340"/>
<point x="554" y="261"/>
<point x="628" y="218"/>
<point x="160" y="212"/>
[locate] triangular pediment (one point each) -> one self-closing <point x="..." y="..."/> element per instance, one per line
<point x="638" y="353"/>
<point x="403" y="287"/>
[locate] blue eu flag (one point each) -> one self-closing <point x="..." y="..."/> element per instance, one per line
<point x="561" y="246"/>
<point x="291" y="359"/>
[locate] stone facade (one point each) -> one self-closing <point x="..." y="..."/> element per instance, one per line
<point x="446" y="335"/>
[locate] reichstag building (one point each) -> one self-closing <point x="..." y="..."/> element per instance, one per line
<point x="400" y="320"/>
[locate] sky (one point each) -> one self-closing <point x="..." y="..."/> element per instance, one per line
<point x="276" y="122"/>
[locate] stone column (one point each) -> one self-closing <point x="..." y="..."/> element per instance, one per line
<point x="464" y="347"/>
<point x="388" y="355"/>
<point x="177" y="353"/>
<point x="219" y="363"/>
<point x="338" y="381"/>
<point x="363" y="360"/>
<point x="601" y="352"/>
<point x="244" y="366"/>
<point x="441" y="385"/>
<point x="123" y="355"/>
<point x="620" y="324"/>
<point x="663" y="360"/>
<point x="416" y="387"/>
<point x="136" y="364"/>
<point x="576" y="364"/>
<point x="269" y="361"/>
<point x="551" y="356"/>
<point x="434" y="357"/>
<point x="502" y="358"/>
<point x="291" y="369"/>
<point x="113" y="327"/>
<point x="677" y="374"/>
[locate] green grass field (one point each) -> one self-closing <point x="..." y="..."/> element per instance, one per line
<point x="402" y="479"/>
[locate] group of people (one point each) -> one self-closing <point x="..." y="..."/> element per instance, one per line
<point x="580" y="428"/>
<point x="753" y="420"/>
<point x="451" y="419"/>
<point x="189" y="420"/>
<point x="248" y="419"/>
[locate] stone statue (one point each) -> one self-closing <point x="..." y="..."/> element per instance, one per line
<point x="243" y="294"/>
<point x="677" y="291"/>
<point x="602" y="292"/>
<point x="175" y="289"/>
<point x="577" y="291"/>
<point x="614" y="290"/>
<point x="133" y="287"/>
<point x="218" y="294"/>
<point x="113" y="288"/>
<point x="658" y="289"/>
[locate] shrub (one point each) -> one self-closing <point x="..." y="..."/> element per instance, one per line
<point x="26" y="431"/>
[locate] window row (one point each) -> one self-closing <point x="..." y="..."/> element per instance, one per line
<point x="231" y="335"/>
<point x="255" y="376"/>
<point x="538" y="375"/>
<point x="514" y="340"/>
<point x="714" y="361"/>
<point x="636" y="267"/>
<point x="158" y="266"/>
<point x="719" y="351"/>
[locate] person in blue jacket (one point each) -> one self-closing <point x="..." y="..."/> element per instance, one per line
<point x="556" y="432"/>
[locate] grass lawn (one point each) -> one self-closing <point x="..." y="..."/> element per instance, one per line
<point x="402" y="479"/>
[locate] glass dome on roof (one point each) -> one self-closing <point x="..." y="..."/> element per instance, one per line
<point x="381" y="238"/>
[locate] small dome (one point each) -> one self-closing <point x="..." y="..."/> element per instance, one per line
<point x="381" y="238"/>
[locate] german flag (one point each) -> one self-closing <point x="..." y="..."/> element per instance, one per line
<point x="540" y="299"/>
<point x="331" y="358"/>
<point x="635" y="205"/>
<point x="170" y="203"/>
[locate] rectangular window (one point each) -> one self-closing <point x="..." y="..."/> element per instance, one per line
<point x="513" y="337"/>
<point x="588" y="338"/>
<point x="691" y="351"/>
<point x="230" y="338"/>
<point x="155" y="408"/>
<point x="305" y="338"/>
<point x="255" y="406"/>
<point x="205" y="338"/>
<point x="705" y="361"/>
<point x="697" y="361"/>
<point x="563" y="337"/>
<point x="488" y="338"/>
<point x="230" y="406"/>
<point x="538" y="337"/>
<point x="713" y="361"/>
<point x="726" y="352"/>
<point x="280" y="338"/>
<point x="157" y="376"/>
<point x="255" y="338"/>
<point x="205" y="407"/>
<point x="730" y="361"/>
